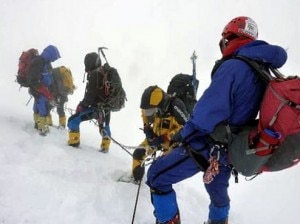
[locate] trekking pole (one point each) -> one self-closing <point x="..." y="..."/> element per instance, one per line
<point x="136" y="201"/>
<point x="29" y="100"/>
<point x="100" y="49"/>
<point x="139" y="185"/>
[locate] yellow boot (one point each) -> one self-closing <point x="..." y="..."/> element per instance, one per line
<point x="49" y="120"/>
<point x="105" y="145"/>
<point x="43" y="126"/>
<point x="138" y="169"/>
<point x="62" y="122"/>
<point x="74" y="138"/>
<point x="36" y="120"/>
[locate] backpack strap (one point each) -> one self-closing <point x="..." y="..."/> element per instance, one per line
<point x="106" y="84"/>
<point x="261" y="70"/>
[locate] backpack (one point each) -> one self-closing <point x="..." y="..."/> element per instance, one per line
<point x="111" y="94"/>
<point x="272" y="144"/>
<point x="24" y="66"/>
<point x="63" y="79"/>
<point x="181" y="86"/>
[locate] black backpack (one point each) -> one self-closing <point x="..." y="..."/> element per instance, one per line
<point x="181" y="86"/>
<point x="112" y="94"/>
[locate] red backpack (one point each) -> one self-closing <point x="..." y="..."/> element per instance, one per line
<point x="280" y="111"/>
<point x="274" y="144"/>
<point x="24" y="66"/>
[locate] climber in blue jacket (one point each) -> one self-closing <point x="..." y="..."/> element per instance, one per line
<point x="233" y="96"/>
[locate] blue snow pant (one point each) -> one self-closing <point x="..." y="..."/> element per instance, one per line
<point x="175" y="167"/>
<point x="60" y="107"/>
<point x="89" y="114"/>
<point x="40" y="105"/>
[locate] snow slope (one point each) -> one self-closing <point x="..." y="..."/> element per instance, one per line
<point x="44" y="181"/>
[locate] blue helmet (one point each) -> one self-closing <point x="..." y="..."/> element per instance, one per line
<point x="50" y="53"/>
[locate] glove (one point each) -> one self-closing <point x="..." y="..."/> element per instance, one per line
<point x="148" y="131"/>
<point x="176" y="138"/>
<point x="156" y="141"/>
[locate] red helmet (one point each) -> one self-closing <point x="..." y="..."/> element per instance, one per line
<point x="238" y="32"/>
<point x="241" y="26"/>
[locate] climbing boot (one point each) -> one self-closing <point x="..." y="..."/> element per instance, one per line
<point x="138" y="169"/>
<point x="49" y="120"/>
<point x="36" y="120"/>
<point x="43" y="126"/>
<point x="62" y="122"/>
<point x="74" y="138"/>
<point x="174" y="220"/>
<point x="105" y="145"/>
<point x="225" y="221"/>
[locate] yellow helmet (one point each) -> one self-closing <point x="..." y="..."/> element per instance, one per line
<point x="154" y="98"/>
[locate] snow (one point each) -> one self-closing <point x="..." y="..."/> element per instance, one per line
<point x="44" y="181"/>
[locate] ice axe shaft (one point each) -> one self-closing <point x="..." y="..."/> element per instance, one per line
<point x="100" y="49"/>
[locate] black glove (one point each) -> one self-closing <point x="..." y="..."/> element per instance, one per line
<point x="148" y="132"/>
<point x="176" y="138"/>
<point x="156" y="141"/>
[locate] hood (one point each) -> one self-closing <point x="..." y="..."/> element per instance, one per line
<point x="50" y="53"/>
<point x="259" y="50"/>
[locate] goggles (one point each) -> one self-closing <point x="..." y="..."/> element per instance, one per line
<point x="151" y="111"/>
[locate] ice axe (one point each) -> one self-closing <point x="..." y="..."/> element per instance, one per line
<point x="100" y="49"/>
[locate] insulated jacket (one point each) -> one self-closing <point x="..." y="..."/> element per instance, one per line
<point x="234" y="94"/>
<point x="169" y="123"/>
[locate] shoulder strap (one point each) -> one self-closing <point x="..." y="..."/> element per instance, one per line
<point x="260" y="69"/>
